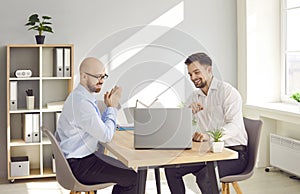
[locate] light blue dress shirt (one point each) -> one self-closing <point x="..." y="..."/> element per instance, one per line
<point x="81" y="126"/>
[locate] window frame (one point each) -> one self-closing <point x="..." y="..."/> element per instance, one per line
<point x="283" y="96"/>
<point x="284" y="81"/>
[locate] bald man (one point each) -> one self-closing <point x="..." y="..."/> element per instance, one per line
<point x="81" y="127"/>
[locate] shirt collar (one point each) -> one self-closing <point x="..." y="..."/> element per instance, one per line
<point x="86" y="93"/>
<point x="213" y="86"/>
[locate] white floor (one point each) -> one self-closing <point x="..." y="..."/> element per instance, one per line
<point x="274" y="182"/>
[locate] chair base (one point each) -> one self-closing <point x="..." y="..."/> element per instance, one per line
<point x="226" y="190"/>
<point x="86" y="192"/>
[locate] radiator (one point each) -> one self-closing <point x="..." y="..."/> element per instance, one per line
<point x="285" y="154"/>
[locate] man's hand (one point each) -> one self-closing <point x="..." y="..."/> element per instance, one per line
<point x="196" y="107"/>
<point x="200" y="137"/>
<point x="112" y="98"/>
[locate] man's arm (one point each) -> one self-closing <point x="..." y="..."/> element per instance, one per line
<point x="89" y="119"/>
<point x="233" y="118"/>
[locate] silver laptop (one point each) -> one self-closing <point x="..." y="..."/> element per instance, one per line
<point x="162" y="128"/>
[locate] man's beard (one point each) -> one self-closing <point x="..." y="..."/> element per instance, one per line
<point x="94" y="89"/>
<point x="202" y="84"/>
<point x="97" y="90"/>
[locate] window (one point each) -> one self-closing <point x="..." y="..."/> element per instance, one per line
<point x="291" y="46"/>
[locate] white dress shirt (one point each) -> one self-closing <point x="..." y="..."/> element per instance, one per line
<point x="81" y="126"/>
<point x="222" y="109"/>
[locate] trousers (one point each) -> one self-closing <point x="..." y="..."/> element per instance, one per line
<point x="227" y="167"/>
<point x="99" y="168"/>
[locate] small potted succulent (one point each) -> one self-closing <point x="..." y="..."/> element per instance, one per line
<point x="39" y="25"/>
<point x="296" y="96"/>
<point x="216" y="135"/>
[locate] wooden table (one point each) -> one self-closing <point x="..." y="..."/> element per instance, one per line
<point x="122" y="147"/>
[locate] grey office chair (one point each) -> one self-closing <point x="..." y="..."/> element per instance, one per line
<point x="253" y="128"/>
<point x="64" y="174"/>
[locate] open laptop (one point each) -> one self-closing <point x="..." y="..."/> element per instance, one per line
<point x="162" y="128"/>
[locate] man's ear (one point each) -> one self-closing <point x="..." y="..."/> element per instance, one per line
<point x="209" y="69"/>
<point x="83" y="76"/>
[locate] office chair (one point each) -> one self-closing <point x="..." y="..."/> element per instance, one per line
<point x="64" y="174"/>
<point x="253" y="128"/>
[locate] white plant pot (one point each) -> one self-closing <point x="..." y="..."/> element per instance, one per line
<point x="217" y="146"/>
<point x="30" y="102"/>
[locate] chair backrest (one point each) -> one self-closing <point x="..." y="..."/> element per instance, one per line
<point x="64" y="174"/>
<point x="253" y="128"/>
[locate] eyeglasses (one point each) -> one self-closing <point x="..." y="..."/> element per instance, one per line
<point x="98" y="77"/>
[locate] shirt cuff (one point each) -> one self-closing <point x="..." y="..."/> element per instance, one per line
<point x="112" y="110"/>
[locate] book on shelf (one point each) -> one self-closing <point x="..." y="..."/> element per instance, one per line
<point x="55" y="105"/>
<point x="31" y="128"/>
<point x="62" y="62"/>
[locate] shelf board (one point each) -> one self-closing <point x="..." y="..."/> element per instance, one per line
<point x="35" y="173"/>
<point x="38" y="78"/>
<point x="23" y="78"/>
<point x="24" y="45"/>
<point x="21" y="142"/>
<point x="48" y="172"/>
<point x="56" y="78"/>
<point x="51" y="109"/>
<point x="46" y="141"/>
<point x="39" y="45"/>
<point x="23" y="110"/>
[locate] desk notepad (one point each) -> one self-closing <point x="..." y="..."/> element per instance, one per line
<point x="124" y="127"/>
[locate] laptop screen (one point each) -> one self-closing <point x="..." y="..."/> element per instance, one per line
<point x="162" y="128"/>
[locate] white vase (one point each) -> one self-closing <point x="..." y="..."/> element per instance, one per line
<point x="30" y="102"/>
<point x="217" y="146"/>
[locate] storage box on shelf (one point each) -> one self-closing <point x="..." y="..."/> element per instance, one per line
<point x="32" y="67"/>
<point x="19" y="166"/>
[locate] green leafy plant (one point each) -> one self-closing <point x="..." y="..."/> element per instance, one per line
<point x="194" y="122"/>
<point x="180" y="105"/>
<point x="296" y="96"/>
<point x="39" y="25"/>
<point x="216" y="134"/>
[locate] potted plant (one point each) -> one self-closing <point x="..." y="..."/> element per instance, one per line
<point x="216" y="135"/>
<point x="40" y="26"/>
<point x="296" y="96"/>
<point x="29" y="99"/>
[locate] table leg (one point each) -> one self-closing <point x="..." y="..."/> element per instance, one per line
<point x="142" y="176"/>
<point x="214" y="177"/>
<point x="157" y="180"/>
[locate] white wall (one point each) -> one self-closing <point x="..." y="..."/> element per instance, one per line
<point x="86" y="24"/>
<point x="259" y="50"/>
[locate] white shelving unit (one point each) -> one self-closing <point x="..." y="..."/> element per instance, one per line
<point x="46" y="88"/>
